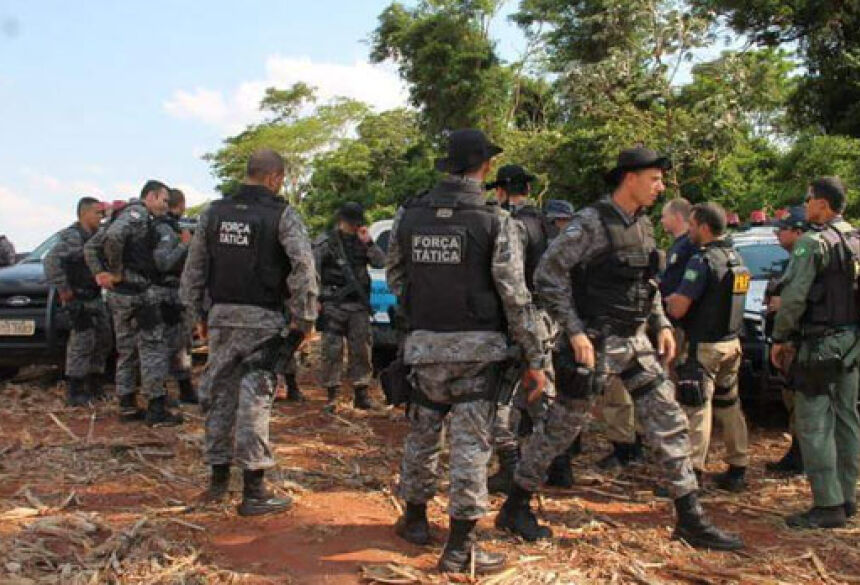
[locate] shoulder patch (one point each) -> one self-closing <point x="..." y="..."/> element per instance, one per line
<point x="691" y="275"/>
<point x="799" y="250"/>
<point x="135" y="214"/>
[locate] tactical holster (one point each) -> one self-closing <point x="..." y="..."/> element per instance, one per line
<point x="394" y="380"/>
<point x="573" y="380"/>
<point x="171" y="312"/>
<point x="148" y="316"/>
<point x="690" y="387"/>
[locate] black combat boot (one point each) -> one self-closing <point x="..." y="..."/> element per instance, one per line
<point x="256" y="499"/>
<point x="517" y="517"/>
<point x="362" y="399"/>
<point x="621" y="455"/>
<point x="575" y="447"/>
<point x="559" y="473"/>
<point x="501" y="481"/>
<point x="78" y="393"/>
<point x="731" y="480"/>
<point x="96" y="387"/>
<point x="413" y="526"/>
<point x="850" y="509"/>
<point x="331" y="401"/>
<point x="637" y="452"/>
<point x="461" y="552"/>
<point x="128" y="409"/>
<point x="157" y="414"/>
<point x="819" y="517"/>
<point x="294" y="393"/>
<point x="219" y="484"/>
<point x="694" y="527"/>
<point x="187" y="393"/>
<point x="791" y="463"/>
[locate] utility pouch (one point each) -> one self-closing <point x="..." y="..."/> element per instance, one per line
<point x="171" y="312"/>
<point x="690" y="387"/>
<point x="148" y="316"/>
<point x="573" y="380"/>
<point x="394" y="380"/>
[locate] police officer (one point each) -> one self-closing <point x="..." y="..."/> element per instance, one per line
<point x="251" y="253"/>
<point x="597" y="280"/>
<point x="342" y="256"/>
<point x="818" y="304"/>
<point x="456" y="263"/>
<point x="7" y="252"/>
<point x="122" y="258"/>
<point x="788" y="230"/>
<point x="91" y="338"/>
<point x="558" y="213"/>
<point x="513" y="187"/>
<point x="170" y="253"/>
<point x="709" y="304"/>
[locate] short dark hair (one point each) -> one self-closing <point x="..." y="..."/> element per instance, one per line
<point x="263" y="163"/>
<point x="150" y="186"/>
<point x="174" y="198"/>
<point x="831" y="190"/>
<point x="86" y="202"/>
<point x="680" y="206"/>
<point x="710" y="214"/>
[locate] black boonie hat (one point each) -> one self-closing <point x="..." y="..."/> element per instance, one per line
<point x="467" y="148"/>
<point x="511" y="175"/>
<point x="636" y="159"/>
<point x="795" y="220"/>
<point x="352" y="212"/>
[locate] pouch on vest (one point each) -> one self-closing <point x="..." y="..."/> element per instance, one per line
<point x="690" y="387"/>
<point x="820" y="359"/>
<point x="171" y="312"/>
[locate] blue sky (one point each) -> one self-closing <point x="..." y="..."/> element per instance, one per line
<point x="98" y="96"/>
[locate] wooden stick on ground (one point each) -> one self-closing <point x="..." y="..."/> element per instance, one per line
<point x="66" y="429"/>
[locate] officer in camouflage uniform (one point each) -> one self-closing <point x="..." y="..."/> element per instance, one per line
<point x="709" y="305"/>
<point x="122" y="258"/>
<point x="342" y="256"/>
<point x="456" y="264"/>
<point x="7" y="252"/>
<point x="788" y="231"/>
<point x="170" y="253"/>
<point x="558" y="213"/>
<point x="597" y="281"/>
<point x="513" y="185"/>
<point x="91" y="338"/>
<point x="250" y="253"/>
<point x="819" y="307"/>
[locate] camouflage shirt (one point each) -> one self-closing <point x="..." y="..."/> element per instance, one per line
<point x="69" y="247"/>
<point x="584" y="239"/>
<point x="301" y="281"/>
<point x="170" y="252"/>
<point x="525" y="326"/>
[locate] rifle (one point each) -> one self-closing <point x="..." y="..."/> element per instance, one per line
<point x="352" y="284"/>
<point x="510" y="380"/>
<point x="276" y="352"/>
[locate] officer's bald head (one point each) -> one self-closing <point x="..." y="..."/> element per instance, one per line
<point x="264" y="163"/>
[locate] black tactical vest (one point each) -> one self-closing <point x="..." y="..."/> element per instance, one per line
<point x="171" y="277"/>
<point x="536" y="229"/>
<point x="832" y="300"/>
<point x="719" y="314"/>
<point x="247" y="264"/>
<point x="137" y="254"/>
<point x="617" y="288"/>
<point x="335" y="263"/>
<point x="78" y="274"/>
<point x="448" y="245"/>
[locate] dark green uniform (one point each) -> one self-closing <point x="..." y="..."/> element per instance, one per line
<point x="819" y="307"/>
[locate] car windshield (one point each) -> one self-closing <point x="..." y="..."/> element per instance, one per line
<point x="764" y="260"/>
<point x="42" y="249"/>
<point x="382" y="240"/>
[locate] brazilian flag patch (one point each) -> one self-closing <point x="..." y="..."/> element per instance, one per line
<point x="691" y="275"/>
<point x="799" y="251"/>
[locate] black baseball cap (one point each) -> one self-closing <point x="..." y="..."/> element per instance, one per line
<point x="794" y="220"/>
<point x="467" y="148"/>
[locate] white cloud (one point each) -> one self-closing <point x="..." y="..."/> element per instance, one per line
<point x="231" y="111"/>
<point x="193" y="195"/>
<point x="27" y="222"/>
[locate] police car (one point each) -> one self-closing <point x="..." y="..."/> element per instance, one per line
<point x="765" y="259"/>
<point x="382" y="302"/>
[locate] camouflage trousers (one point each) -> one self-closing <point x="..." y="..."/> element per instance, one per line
<point x="237" y="399"/>
<point x="137" y="347"/>
<point x="506" y="424"/>
<point x="177" y="335"/>
<point x="469" y="426"/>
<point x="354" y="326"/>
<point x="634" y="362"/>
<point x="88" y="349"/>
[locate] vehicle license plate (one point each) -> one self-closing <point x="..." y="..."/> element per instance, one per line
<point x="17" y="327"/>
